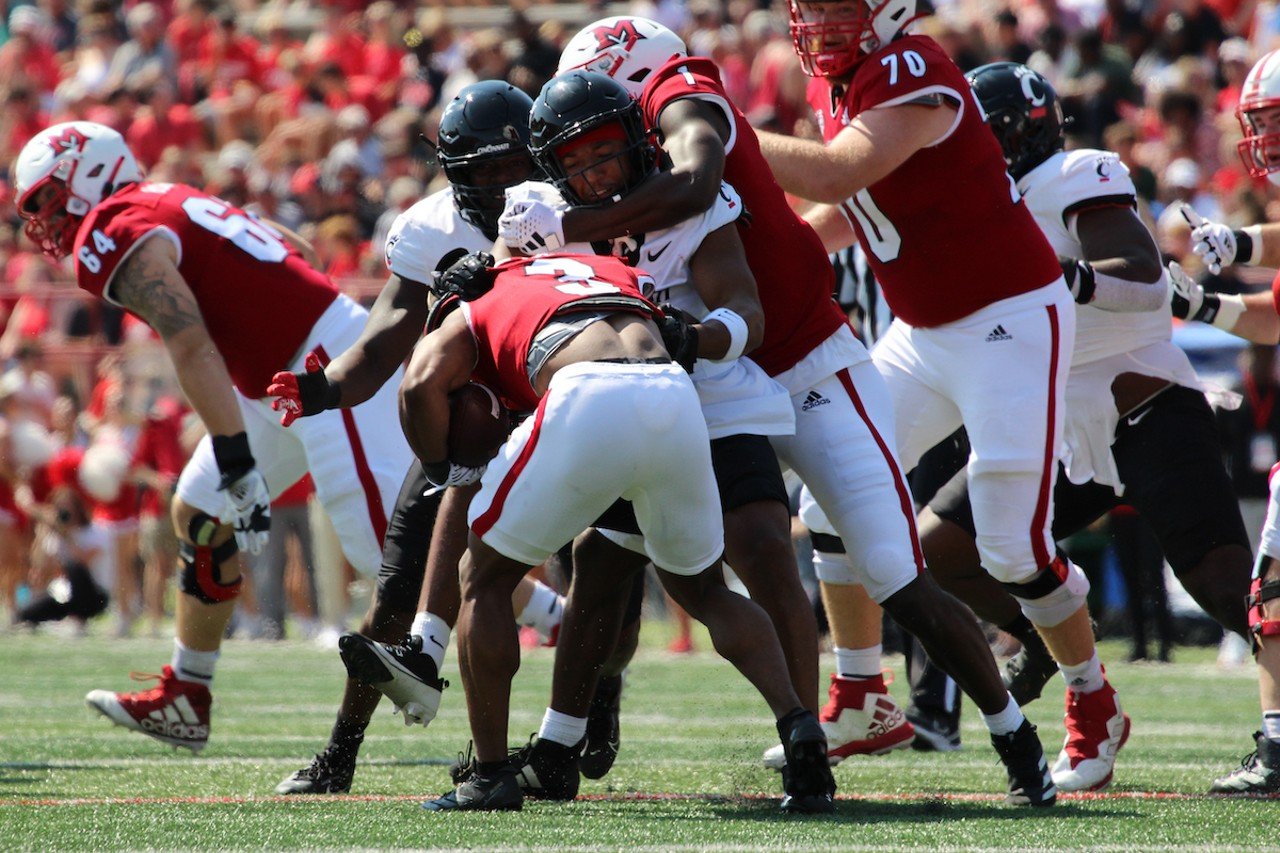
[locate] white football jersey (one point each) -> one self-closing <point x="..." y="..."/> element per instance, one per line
<point x="1055" y="191"/>
<point x="422" y="235"/>
<point x="738" y="397"/>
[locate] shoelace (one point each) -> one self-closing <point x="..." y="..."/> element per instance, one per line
<point x="156" y="691"/>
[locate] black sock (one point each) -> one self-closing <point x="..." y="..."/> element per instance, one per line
<point x="490" y="769"/>
<point x="785" y="723"/>
<point x="1022" y="629"/>
<point x="347" y="736"/>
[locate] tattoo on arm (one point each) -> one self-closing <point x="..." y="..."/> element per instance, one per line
<point x="150" y="287"/>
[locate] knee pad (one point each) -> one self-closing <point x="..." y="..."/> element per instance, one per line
<point x="1052" y="594"/>
<point x="200" y="576"/>
<point x="1260" y="592"/>
<point x="830" y="562"/>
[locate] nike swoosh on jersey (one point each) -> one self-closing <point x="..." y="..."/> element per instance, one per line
<point x="653" y="256"/>
<point x="1133" y="421"/>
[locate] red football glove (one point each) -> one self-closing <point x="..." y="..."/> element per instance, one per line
<point x="299" y="395"/>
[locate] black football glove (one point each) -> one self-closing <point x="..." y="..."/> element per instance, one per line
<point x="679" y="335"/>
<point x="469" y="277"/>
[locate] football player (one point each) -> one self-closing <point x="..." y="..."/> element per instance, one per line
<point x="843" y="415"/>
<point x="482" y="148"/>
<point x="1255" y="317"/>
<point x="1138" y="426"/>
<point x="969" y="345"/>
<point x="589" y="137"/>
<point x="572" y="338"/>
<point x="233" y="300"/>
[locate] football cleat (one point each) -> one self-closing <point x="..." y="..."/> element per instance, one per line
<point x="1030" y="782"/>
<point x="547" y="770"/>
<point x="860" y="718"/>
<point x="1096" y="729"/>
<point x="1258" y="774"/>
<point x="330" y="773"/>
<point x="401" y="671"/>
<point x="1026" y="673"/>
<point x="807" y="784"/>
<point x="603" y="730"/>
<point x="498" y="792"/>
<point x="173" y="712"/>
<point x="934" y="732"/>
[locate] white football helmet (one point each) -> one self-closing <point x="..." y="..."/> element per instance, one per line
<point x="838" y="34"/>
<point x="627" y="48"/>
<point x="85" y="162"/>
<point x="1260" y="148"/>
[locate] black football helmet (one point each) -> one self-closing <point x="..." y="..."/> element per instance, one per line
<point x="1024" y="112"/>
<point x="486" y="123"/>
<point x="577" y="103"/>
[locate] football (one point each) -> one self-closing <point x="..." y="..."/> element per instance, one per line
<point x="478" y="425"/>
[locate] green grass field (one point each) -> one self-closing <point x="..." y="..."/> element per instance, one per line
<point x="688" y="776"/>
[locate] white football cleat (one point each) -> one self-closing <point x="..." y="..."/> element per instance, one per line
<point x="401" y="671"/>
<point x="1096" y="729"/>
<point x="860" y="718"/>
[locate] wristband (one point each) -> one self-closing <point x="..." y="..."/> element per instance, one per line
<point x="1249" y="245"/>
<point x="1221" y="310"/>
<point x="317" y="393"/>
<point x="738" y="331"/>
<point x="437" y="472"/>
<point x="1081" y="279"/>
<point x="232" y="455"/>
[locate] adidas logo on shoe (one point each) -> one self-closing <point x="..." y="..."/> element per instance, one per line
<point x="178" y="720"/>
<point x="887" y="717"/>
<point x="999" y="334"/>
<point x="813" y="401"/>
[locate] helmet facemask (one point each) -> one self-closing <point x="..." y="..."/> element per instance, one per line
<point x="1260" y="151"/>
<point x="832" y="36"/>
<point x="480" y="182"/>
<point x="635" y="155"/>
<point x="50" y="224"/>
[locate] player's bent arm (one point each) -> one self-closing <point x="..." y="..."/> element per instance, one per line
<point x="723" y="280"/>
<point x="1121" y="269"/>
<point x="148" y="284"/>
<point x="694" y="136"/>
<point x="874" y="144"/>
<point x="394" y="325"/>
<point x="832" y="226"/>
<point x="441" y="363"/>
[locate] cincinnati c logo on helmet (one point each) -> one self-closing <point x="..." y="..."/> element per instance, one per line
<point x="69" y="140"/>
<point x="622" y="34"/>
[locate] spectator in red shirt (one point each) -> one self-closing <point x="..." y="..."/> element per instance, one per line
<point x="27" y="58"/>
<point x="225" y="57"/>
<point x="336" y="41"/>
<point x="277" y="42"/>
<point x="192" y="22"/>
<point x="382" y="59"/>
<point x="162" y="122"/>
<point x="22" y="118"/>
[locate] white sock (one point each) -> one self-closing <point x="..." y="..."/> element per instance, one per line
<point x="1271" y="724"/>
<point x="435" y="633"/>
<point x="544" y="610"/>
<point x="190" y="665"/>
<point x="1085" y="677"/>
<point x="562" y="729"/>
<point x="859" y="663"/>
<point x="1007" y="721"/>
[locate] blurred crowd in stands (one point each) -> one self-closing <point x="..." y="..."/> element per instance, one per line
<point x="319" y="115"/>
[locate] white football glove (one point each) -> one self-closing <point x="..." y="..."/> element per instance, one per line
<point x="458" y="475"/>
<point x="247" y="508"/>
<point x="1214" y="242"/>
<point x="532" y="226"/>
<point x="1186" y="296"/>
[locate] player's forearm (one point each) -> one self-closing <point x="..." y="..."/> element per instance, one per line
<point x="1270" y="238"/>
<point x="203" y="377"/>
<point x="802" y="168"/>
<point x="424" y="417"/>
<point x="394" y="326"/>
<point x="664" y="200"/>
<point x="1258" y="322"/>
<point x="832" y="226"/>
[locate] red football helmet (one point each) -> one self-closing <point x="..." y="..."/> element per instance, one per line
<point x="84" y="162"/>
<point x="1260" y="148"/>
<point x="832" y="36"/>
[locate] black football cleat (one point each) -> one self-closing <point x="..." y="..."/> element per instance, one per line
<point x="807" y="784"/>
<point x="1027" y="672"/>
<point x="547" y="770"/>
<point x="1030" y="783"/>
<point x="603" y="731"/>
<point x="1258" y="774"/>
<point x="499" y="792"/>
<point x="401" y="671"/>
<point x="330" y="773"/>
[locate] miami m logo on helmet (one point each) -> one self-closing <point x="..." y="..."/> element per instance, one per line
<point x="69" y="140"/>
<point x="622" y="33"/>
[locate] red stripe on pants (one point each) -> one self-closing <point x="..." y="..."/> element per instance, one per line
<point x="485" y="521"/>
<point x="1040" y="520"/>
<point x="372" y="496"/>
<point x="899" y="484"/>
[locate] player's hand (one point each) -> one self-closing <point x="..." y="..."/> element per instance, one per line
<point x="452" y="474"/>
<point x="247" y="508"/>
<point x="680" y="337"/>
<point x="532" y="226"/>
<point x="469" y="277"/>
<point x="299" y="395"/>
<point x="1215" y="243"/>
<point x="1186" y="296"/>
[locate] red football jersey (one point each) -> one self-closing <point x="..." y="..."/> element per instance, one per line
<point x="946" y="233"/>
<point x="526" y="294"/>
<point x="258" y="297"/>
<point x="793" y="274"/>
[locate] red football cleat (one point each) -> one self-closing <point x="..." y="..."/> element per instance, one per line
<point x="1096" y="729"/>
<point x="173" y="712"/>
